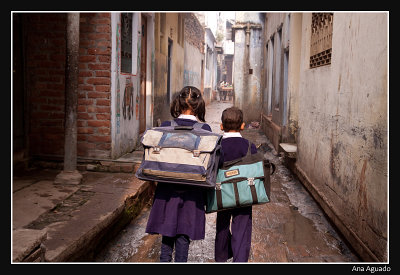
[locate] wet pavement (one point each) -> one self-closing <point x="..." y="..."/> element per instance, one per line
<point x="290" y="228"/>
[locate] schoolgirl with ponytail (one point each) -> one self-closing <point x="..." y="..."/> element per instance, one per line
<point x="178" y="211"/>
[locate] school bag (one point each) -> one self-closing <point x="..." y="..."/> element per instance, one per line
<point x="241" y="182"/>
<point x="180" y="154"/>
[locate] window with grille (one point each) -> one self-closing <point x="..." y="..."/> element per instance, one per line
<point x="163" y="30"/>
<point x="126" y="42"/>
<point x="321" y="39"/>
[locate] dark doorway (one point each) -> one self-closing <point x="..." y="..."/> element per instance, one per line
<point x="18" y="92"/>
<point x="202" y="77"/>
<point x="143" y="58"/>
<point x="169" y="70"/>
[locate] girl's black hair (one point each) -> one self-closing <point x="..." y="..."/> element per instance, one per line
<point x="189" y="98"/>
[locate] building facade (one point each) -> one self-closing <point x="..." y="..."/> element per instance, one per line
<point x="194" y="52"/>
<point x="132" y="61"/>
<point x="130" y="64"/>
<point x="247" y="33"/>
<point x="169" y="62"/>
<point x="210" y="70"/>
<point x="326" y="93"/>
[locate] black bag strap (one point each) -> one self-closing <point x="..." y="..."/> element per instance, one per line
<point x="234" y="161"/>
<point x="269" y="164"/>
<point x="249" y="149"/>
<point x="218" y="194"/>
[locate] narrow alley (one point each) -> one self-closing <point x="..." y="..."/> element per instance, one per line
<point x="313" y="88"/>
<point x="291" y="228"/>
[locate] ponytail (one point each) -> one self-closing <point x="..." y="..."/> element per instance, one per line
<point x="189" y="98"/>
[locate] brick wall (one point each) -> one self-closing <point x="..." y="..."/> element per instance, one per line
<point x="94" y="100"/>
<point x="45" y="65"/>
<point x="45" y="82"/>
<point x="194" y="32"/>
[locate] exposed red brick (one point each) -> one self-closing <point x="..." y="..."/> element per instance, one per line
<point x="103" y="44"/>
<point x="94" y="138"/>
<point x="87" y="58"/>
<point x="81" y="109"/>
<point x="98" y="109"/>
<point x="85" y="73"/>
<point x="98" y="95"/>
<point x="103" y="102"/>
<point x="83" y="66"/>
<point x="86" y="88"/>
<point x="87" y="28"/>
<point x="98" y="81"/>
<point x="45" y="63"/>
<point x="85" y="116"/>
<point x="103" y="73"/>
<point x="85" y="130"/>
<point x="98" y="123"/>
<point x="103" y="146"/>
<point x="99" y="51"/>
<point x="81" y="123"/>
<point x="81" y="138"/>
<point x="96" y="67"/>
<point x="103" y="28"/>
<point x="105" y="88"/>
<point x="104" y="131"/>
<point x="99" y="36"/>
<point x="103" y="116"/>
<point x="85" y="101"/>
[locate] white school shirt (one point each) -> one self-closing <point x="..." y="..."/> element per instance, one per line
<point x="191" y="117"/>
<point x="231" y="134"/>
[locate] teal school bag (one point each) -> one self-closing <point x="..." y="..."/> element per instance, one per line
<point x="241" y="182"/>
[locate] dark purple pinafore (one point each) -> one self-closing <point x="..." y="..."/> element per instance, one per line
<point x="178" y="209"/>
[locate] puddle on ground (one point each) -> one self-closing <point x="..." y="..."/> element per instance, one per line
<point x="299" y="230"/>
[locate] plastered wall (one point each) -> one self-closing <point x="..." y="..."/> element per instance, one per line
<point x="342" y="121"/>
<point x="125" y="87"/>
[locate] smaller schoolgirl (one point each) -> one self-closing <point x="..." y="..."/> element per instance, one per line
<point x="178" y="211"/>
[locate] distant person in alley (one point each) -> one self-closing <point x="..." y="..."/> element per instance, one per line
<point x="221" y="91"/>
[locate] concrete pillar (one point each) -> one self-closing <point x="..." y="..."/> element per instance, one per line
<point x="247" y="69"/>
<point x="70" y="174"/>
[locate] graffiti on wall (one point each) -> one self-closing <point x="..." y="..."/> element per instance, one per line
<point x="117" y="107"/>
<point x="139" y="43"/>
<point x="118" y="47"/>
<point x="127" y="103"/>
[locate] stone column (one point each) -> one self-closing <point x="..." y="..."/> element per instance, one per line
<point x="70" y="174"/>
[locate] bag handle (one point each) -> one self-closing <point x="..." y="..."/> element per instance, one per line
<point x="267" y="163"/>
<point x="197" y="125"/>
<point x="183" y="128"/>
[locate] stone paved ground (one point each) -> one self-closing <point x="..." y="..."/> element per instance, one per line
<point x="291" y="228"/>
